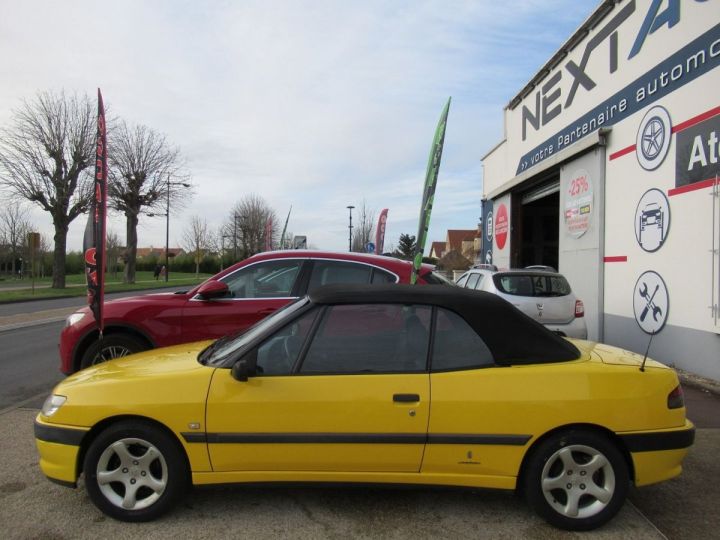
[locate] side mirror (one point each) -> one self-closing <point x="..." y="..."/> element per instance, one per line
<point x="212" y="289"/>
<point x="245" y="367"/>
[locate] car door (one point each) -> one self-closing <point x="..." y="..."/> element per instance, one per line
<point x="351" y="395"/>
<point x="478" y="420"/>
<point x="255" y="291"/>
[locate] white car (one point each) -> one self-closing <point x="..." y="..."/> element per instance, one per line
<point x="544" y="295"/>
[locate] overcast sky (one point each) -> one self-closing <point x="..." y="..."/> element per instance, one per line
<point x="314" y="104"/>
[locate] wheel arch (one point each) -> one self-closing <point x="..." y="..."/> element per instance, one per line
<point x="594" y="428"/>
<point x="111" y="329"/>
<point x="101" y="426"/>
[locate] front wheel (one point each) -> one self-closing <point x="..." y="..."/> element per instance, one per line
<point x="110" y="347"/>
<point x="135" y="471"/>
<point x="577" y="480"/>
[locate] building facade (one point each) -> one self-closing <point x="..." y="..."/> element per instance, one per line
<point x="609" y="172"/>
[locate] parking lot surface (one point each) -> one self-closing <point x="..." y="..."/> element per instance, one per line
<point x="32" y="507"/>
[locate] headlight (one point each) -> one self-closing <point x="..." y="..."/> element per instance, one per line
<point x="74" y="318"/>
<point x="52" y="404"/>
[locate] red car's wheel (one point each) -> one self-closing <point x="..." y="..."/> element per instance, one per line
<point x="111" y="347"/>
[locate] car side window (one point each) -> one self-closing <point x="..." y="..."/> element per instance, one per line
<point x="472" y="281"/>
<point x="381" y="276"/>
<point x="463" y="279"/>
<point x="370" y="338"/>
<point x="479" y="283"/>
<point x="328" y="272"/>
<point x="457" y="345"/>
<point x="277" y="354"/>
<point x="269" y="279"/>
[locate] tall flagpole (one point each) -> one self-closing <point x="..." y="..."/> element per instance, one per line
<point x="94" y="240"/>
<point x="282" y="236"/>
<point x="431" y="175"/>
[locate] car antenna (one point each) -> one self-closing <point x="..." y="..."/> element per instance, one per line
<point x="642" y="366"/>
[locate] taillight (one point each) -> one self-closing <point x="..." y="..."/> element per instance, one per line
<point x="676" y="399"/>
<point x="579" y="308"/>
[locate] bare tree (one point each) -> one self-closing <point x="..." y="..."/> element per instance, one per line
<point x="247" y="226"/>
<point x="364" y="229"/>
<point x="197" y="240"/>
<point x="14" y="228"/>
<point x="145" y="172"/>
<point x="113" y="248"/>
<point x="46" y="157"/>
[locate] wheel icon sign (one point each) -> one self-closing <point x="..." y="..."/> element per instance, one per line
<point x="653" y="138"/>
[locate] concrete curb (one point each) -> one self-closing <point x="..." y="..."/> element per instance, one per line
<point x="696" y="381"/>
<point x="38" y="318"/>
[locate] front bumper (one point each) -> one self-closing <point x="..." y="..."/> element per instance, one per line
<point x="59" y="447"/>
<point x="658" y="455"/>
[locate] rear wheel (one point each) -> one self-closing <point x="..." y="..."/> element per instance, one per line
<point x="577" y="480"/>
<point x="110" y="347"/>
<point x="135" y="471"/>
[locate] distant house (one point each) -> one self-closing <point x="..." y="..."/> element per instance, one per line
<point x="159" y="253"/>
<point x="460" y="249"/>
<point x="437" y="250"/>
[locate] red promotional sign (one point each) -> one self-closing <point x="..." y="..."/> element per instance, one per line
<point x="380" y="232"/>
<point x="501" y="226"/>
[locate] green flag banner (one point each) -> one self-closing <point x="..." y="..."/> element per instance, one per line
<point x="429" y="191"/>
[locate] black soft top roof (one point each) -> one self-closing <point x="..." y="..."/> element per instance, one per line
<point x="512" y="336"/>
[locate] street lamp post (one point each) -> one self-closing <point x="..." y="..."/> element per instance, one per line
<point x="167" y="224"/>
<point x="350" y="228"/>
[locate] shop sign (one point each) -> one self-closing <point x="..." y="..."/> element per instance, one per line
<point x="697" y="152"/>
<point x="501" y="226"/>
<point x="578" y="203"/>
<point x="653" y="138"/>
<point x="690" y="62"/>
<point x="651" y="302"/>
<point x="652" y="220"/>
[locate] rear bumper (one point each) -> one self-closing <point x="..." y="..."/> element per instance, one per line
<point x="658" y="455"/>
<point x="574" y="329"/>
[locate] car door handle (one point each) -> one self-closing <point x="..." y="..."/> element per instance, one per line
<point x="406" y="398"/>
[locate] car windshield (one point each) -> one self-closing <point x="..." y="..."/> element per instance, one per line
<point x="224" y="347"/>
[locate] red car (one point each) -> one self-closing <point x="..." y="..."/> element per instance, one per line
<point x="229" y="302"/>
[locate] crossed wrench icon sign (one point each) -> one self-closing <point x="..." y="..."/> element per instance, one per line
<point x="650" y="304"/>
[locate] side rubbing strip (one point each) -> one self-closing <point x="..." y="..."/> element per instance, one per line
<point x="353" y="438"/>
<point x="59" y="435"/>
<point x="506" y="440"/>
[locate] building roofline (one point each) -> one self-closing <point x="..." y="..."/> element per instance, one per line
<point x="605" y="7"/>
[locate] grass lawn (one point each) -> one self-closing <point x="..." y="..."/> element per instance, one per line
<point x="10" y="290"/>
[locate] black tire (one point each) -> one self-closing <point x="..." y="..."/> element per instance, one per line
<point x="576" y="480"/>
<point x="145" y="471"/>
<point x="112" y="346"/>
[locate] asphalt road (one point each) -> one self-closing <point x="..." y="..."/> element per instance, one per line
<point x="29" y="363"/>
<point x="31" y="507"/>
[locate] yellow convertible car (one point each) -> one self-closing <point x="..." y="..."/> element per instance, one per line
<point x="375" y="384"/>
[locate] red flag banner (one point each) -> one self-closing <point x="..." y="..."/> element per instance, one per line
<point x="94" y="238"/>
<point x="380" y="232"/>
